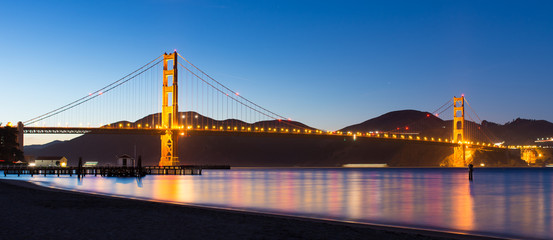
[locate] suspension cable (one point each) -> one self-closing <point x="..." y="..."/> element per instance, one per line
<point x="91" y="96"/>
<point x="229" y="88"/>
<point x="434" y="112"/>
<point x="231" y="96"/>
<point x="31" y="121"/>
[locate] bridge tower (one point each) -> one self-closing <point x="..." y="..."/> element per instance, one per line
<point x="169" y="111"/>
<point x="458" y="131"/>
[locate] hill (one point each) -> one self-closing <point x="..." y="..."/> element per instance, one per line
<point x="293" y="151"/>
<point x="520" y="131"/>
<point x="405" y="121"/>
<point x="517" y="132"/>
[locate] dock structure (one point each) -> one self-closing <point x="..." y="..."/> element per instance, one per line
<point x="102" y="171"/>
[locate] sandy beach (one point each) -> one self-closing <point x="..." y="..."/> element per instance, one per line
<point x="33" y="212"/>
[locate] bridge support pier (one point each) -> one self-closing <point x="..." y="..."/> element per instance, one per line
<point x="20" y="136"/>
<point x="459" y="156"/>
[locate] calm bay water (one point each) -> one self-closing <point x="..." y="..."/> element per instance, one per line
<point x="499" y="202"/>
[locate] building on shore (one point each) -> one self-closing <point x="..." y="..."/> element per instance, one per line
<point x="50" y="161"/>
<point x="125" y="161"/>
<point x="90" y="164"/>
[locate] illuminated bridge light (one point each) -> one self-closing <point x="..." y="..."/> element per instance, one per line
<point x="262" y="129"/>
<point x="431" y="139"/>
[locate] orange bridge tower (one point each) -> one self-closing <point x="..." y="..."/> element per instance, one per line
<point x="169" y="111"/>
<point x="458" y="131"/>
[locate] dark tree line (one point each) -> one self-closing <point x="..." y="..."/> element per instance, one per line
<point x="9" y="151"/>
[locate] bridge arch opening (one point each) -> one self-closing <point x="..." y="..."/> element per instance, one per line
<point x="458" y="113"/>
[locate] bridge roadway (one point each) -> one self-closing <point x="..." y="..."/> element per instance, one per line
<point x="269" y="132"/>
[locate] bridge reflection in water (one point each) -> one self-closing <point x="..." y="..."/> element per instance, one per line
<point x="499" y="202"/>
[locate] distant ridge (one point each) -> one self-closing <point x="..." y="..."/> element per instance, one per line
<point x="521" y="131"/>
<point x="424" y="123"/>
<point x="518" y="132"/>
<point x="293" y="151"/>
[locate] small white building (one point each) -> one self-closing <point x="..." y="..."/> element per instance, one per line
<point x="50" y="161"/>
<point x="125" y="161"/>
<point x="90" y="164"/>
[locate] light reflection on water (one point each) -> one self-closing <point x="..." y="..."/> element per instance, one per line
<point x="500" y="202"/>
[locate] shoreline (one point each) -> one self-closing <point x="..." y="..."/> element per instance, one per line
<point x="83" y="212"/>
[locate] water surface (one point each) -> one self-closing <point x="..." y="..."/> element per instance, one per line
<point x="499" y="202"/>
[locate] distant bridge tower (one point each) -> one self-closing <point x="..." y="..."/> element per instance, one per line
<point x="169" y="112"/>
<point x="458" y="131"/>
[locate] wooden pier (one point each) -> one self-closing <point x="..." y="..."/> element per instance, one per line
<point x="102" y="171"/>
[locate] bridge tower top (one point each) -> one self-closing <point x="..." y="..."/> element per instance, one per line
<point x="458" y="118"/>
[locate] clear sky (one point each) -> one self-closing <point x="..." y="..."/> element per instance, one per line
<point x="328" y="64"/>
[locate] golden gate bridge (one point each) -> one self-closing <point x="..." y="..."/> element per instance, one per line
<point x="212" y="108"/>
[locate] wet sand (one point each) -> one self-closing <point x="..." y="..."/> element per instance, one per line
<point x="32" y="212"/>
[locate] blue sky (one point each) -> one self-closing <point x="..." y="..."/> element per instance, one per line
<point x="328" y="64"/>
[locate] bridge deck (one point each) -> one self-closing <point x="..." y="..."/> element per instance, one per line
<point x="246" y="131"/>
